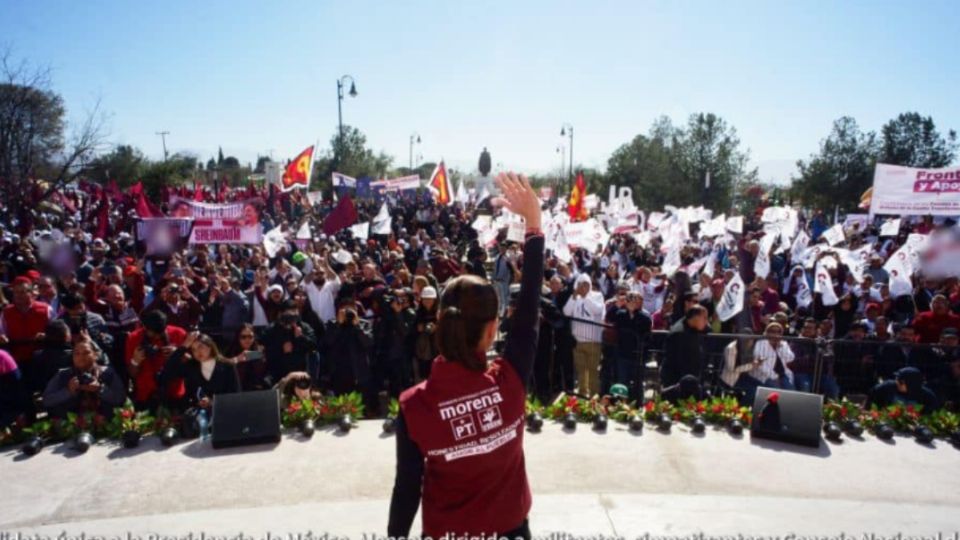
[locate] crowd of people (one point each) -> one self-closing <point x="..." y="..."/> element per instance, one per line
<point x="107" y="323"/>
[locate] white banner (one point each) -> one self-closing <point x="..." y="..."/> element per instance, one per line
<point x="735" y="224"/>
<point x="941" y="258"/>
<point x="396" y="184"/>
<point x="907" y="191"/>
<point x="731" y="302"/>
<point x="890" y="228"/>
<point x="824" y="285"/>
<point x="342" y="180"/>
<point x="834" y="235"/>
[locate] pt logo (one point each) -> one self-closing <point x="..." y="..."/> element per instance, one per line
<point x="463" y="426"/>
<point x="490" y="418"/>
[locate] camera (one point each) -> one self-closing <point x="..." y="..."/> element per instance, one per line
<point x="288" y="319"/>
<point x="303" y="384"/>
<point x="86" y="378"/>
<point x="149" y="349"/>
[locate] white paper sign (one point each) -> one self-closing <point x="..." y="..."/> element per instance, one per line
<point x="735" y="224"/>
<point x="824" y="285"/>
<point x="731" y="302"/>
<point x="834" y="235"/>
<point x="890" y="227"/>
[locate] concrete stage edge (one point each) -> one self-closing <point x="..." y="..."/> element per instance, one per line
<point x="614" y="483"/>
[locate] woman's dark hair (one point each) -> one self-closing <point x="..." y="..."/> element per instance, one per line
<point x="467" y="304"/>
<point x="56" y="332"/>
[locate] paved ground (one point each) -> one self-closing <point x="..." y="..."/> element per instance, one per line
<point x="583" y="483"/>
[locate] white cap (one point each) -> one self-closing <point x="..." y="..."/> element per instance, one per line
<point x="428" y="292"/>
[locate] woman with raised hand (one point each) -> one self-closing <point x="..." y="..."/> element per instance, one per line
<point x="460" y="432"/>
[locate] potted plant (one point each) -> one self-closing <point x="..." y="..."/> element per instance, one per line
<point x="128" y="425"/>
<point x="301" y="414"/>
<point x="390" y="422"/>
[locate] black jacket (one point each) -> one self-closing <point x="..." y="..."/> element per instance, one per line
<point x="223" y="380"/>
<point x="683" y="354"/>
<point x="279" y="363"/>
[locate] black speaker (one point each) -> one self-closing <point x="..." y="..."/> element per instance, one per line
<point x="793" y="417"/>
<point x="246" y="418"/>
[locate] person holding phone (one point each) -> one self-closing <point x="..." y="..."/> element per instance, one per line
<point x="204" y="372"/>
<point x="246" y="353"/>
<point x="460" y="432"/>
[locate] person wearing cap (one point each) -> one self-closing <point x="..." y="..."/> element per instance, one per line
<point x="907" y="388"/>
<point x="147" y="350"/>
<point x="21" y="326"/>
<point x="585" y="308"/>
<point x="876" y="270"/>
<point x="425" y="349"/>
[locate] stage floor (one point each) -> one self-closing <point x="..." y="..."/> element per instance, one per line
<point x="613" y="483"/>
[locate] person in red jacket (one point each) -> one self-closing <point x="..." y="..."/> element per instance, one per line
<point x="930" y="324"/>
<point x="460" y="432"/>
<point x="147" y="350"/>
<point x="22" y="323"/>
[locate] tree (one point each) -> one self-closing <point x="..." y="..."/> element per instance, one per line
<point x="125" y="164"/>
<point x="177" y="169"/>
<point x="912" y="140"/>
<point x="670" y="165"/>
<point x="33" y="142"/>
<point x="350" y="157"/>
<point x="841" y="171"/>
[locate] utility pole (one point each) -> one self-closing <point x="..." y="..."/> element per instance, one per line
<point x="163" y="137"/>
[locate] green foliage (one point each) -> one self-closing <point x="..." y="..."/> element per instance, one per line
<point x="299" y="410"/>
<point x="913" y="141"/>
<point x="174" y="171"/>
<point x="125" y="164"/>
<point x="669" y="166"/>
<point x="841" y="171"/>
<point x="126" y="419"/>
<point x="31" y="129"/>
<point x="351" y="157"/>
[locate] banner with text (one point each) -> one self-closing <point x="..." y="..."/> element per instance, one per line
<point x="231" y="223"/>
<point x="908" y="191"/>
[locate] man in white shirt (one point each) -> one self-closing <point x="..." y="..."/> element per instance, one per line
<point x="586" y="305"/>
<point x="771" y="356"/>
<point x="322" y="286"/>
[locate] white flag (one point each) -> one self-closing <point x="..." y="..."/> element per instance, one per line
<point x="304" y="232"/>
<point x="799" y="245"/>
<point x="273" y="241"/>
<point x="834" y="235"/>
<point x="671" y="263"/>
<point x="382" y="221"/>
<point x="462" y="195"/>
<point x="824" y="285"/>
<point x="761" y="266"/>
<point x="361" y="231"/>
<point x="711" y="264"/>
<point x="804" y="296"/>
<point x="731" y="302"/>
<point x="735" y="224"/>
<point x="890" y="227"/>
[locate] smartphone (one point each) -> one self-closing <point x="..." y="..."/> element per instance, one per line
<point x="252" y="356"/>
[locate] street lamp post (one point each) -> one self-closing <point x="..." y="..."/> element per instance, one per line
<point x="353" y="93"/>
<point x="564" y="130"/>
<point x="413" y="136"/>
<point x="163" y="137"/>
<point x="562" y="150"/>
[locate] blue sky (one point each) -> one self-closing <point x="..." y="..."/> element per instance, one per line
<point x="256" y="77"/>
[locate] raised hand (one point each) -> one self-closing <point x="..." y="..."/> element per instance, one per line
<point x="518" y="197"/>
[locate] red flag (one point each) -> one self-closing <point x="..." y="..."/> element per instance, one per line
<point x="197" y="192"/>
<point x="103" y="216"/>
<point x="440" y="185"/>
<point x="145" y="208"/>
<point x="343" y="216"/>
<point x="575" y="207"/>
<point x="297" y="174"/>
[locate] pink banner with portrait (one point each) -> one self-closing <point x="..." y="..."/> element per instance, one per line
<point x="229" y="223"/>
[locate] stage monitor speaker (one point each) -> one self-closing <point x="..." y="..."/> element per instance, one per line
<point x="794" y="417"/>
<point x="246" y="418"/>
